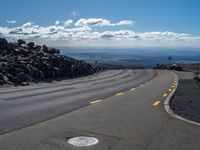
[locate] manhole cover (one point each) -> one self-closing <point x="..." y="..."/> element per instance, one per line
<point x="82" y="141"/>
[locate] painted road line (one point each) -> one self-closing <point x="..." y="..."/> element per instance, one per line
<point x="147" y="82"/>
<point x="96" y="101"/>
<point x="170" y="90"/>
<point x="142" y="85"/>
<point x="172" y="86"/>
<point x="132" y="89"/>
<point x="165" y="95"/>
<point x="156" y="103"/>
<point x="119" y="94"/>
<point x="1" y="100"/>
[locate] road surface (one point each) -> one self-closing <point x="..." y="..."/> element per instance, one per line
<point x="123" y="109"/>
<point x="29" y="105"/>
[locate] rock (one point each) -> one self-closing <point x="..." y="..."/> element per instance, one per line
<point x="1" y="76"/>
<point x="169" y="67"/>
<point x="3" y="46"/>
<point x="6" y="79"/>
<point x="24" y="46"/>
<point x="50" y="50"/>
<point x="3" y="43"/>
<point x="21" y="63"/>
<point x="31" y="44"/>
<point x="38" y="47"/>
<point x="17" y="51"/>
<point x="20" y="42"/>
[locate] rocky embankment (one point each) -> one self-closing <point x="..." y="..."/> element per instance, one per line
<point x="178" y="67"/>
<point x="21" y="63"/>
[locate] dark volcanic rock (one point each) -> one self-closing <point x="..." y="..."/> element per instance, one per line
<point x="31" y="44"/>
<point x="21" y="63"/>
<point x="169" y="66"/>
<point x="20" y="42"/>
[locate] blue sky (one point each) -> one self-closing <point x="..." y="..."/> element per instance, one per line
<point x="150" y="19"/>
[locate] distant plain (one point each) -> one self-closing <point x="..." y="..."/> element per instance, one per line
<point x="142" y="57"/>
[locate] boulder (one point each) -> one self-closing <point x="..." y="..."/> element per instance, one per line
<point x="31" y="44"/>
<point x="20" y="42"/>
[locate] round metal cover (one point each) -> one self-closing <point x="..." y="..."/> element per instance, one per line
<point x="82" y="141"/>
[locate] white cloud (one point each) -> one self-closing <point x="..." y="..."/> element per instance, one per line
<point x="101" y="22"/>
<point x="92" y="22"/>
<point x="86" y="32"/>
<point x="27" y="25"/>
<point x="74" y="14"/>
<point x="125" y="22"/>
<point x="11" y="21"/>
<point x="68" y="22"/>
<point x="57" y="23"/>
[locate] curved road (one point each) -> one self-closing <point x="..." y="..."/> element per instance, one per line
<point x="24" y="106"/>
<point x="123" y="109"/>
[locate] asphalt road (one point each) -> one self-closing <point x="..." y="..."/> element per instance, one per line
<point x="24" y="106"/>
<point x="133" y="118"/>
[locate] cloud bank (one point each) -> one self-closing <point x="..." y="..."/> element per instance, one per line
<point x="101" y="22"/>
<point x="93" y="32"/>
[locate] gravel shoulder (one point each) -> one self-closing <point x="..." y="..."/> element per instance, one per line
<point x="186" y="102"/>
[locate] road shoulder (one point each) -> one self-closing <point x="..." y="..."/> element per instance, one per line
<point x="182" y="103"/>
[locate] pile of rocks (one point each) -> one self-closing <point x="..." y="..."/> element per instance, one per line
<point x="169" y="66"/>
<point x="21" y="63"/>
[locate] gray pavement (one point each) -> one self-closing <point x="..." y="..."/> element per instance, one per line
<point x="24" y="106"/>
<point x="132" y="120"/>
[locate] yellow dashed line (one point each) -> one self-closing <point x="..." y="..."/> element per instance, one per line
<point x="119" y="94"/>
<point x="170" y="90"/>
<point x="165" y="95"/>
<point x="132" y="89"/>
<point x="96" y="101"/>
<point x="172" y="86"/>
<point x="156" y="103"/>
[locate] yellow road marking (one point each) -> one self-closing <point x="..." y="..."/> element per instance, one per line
<point x="165" y="95"/>
<point x="156" y="103"/>
<point x="96" y="101"/>
<point x="170" y="90"/>
<point x="172" y="86"/>
<point x="119" y="94"/>
<point x="132" y="89"/>
<point x="142" y="85"/>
